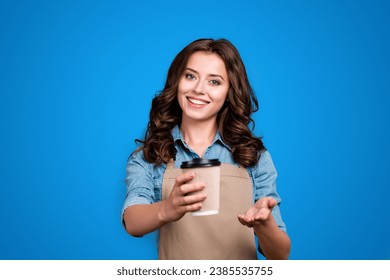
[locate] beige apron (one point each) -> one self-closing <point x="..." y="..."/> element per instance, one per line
<point x="215" y="237"/>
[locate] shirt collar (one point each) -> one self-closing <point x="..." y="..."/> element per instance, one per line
<point x="177" y="136"/>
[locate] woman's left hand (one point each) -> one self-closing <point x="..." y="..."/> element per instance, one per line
<point x="259" y="213"/>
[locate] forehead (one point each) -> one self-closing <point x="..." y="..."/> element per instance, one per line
<point x="207" y="62"/>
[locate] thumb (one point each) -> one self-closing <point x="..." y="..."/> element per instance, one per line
<point x="272" y="203"/>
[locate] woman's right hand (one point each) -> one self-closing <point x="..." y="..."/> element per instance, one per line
<point x="183" y="198"/>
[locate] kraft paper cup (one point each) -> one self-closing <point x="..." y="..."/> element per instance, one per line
<point x="207" y="171"/>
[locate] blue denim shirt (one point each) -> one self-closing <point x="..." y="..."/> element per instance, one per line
<point x="144" y="179"/>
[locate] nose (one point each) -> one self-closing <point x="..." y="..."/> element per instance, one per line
<point x="199" y="87"/>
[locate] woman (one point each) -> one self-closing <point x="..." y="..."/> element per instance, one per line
<point x="204" y="111"/>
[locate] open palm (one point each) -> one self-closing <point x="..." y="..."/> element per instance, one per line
<point x="258" y="213"/>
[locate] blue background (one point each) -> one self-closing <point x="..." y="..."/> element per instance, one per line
<point x="76" y="84"/>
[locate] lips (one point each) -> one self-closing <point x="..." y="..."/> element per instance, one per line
<point x="197" y="101"/>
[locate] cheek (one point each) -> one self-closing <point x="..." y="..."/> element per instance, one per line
<point x="183" y="87"/>
<point x="181" y="90"/>
<point x="221" y="95"/>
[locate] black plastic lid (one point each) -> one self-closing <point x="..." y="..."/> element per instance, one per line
<point x="200" y="162"/>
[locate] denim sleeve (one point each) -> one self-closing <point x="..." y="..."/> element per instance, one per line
<point x="139" y="182"/>
<point x="264" y="182"/>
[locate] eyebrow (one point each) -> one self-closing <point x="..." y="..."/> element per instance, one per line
<point x="212" y="75"/>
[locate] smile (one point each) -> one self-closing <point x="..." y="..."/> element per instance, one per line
<point x="197" y="101"/>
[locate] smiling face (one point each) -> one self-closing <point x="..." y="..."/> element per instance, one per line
<point x="203" y="87"/>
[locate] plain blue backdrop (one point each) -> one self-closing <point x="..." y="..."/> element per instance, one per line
<point x="76" y="83"/>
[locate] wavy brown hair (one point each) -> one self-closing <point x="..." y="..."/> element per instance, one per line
<point x="233" y="119"/>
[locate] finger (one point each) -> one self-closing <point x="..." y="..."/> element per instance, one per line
<point x="241" y="220"/>
<point x="186" y="189"/>
<point x="193" y="207"/>
<point x="244" y="221"/>
<point x="184" y="178"/>
<point x="263" y="214"/>
<point x="272" y="203"/>
<point x="261" y="217"/>
<point x="194" y="198"/>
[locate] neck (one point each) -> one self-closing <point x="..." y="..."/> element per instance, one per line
<point x="198" y="135"/>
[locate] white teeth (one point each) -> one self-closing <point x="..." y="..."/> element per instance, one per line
<point x="197" y="101"/>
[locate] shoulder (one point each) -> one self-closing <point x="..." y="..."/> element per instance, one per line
<point x="137" y="164"/>
<point x="137" y="157"/>
<point x="137" y="161"/>
<point x="264" y="165"/>
<point x="265" y="159"/>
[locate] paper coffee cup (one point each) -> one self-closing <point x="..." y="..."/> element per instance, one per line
<point x="207" y="171"/>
